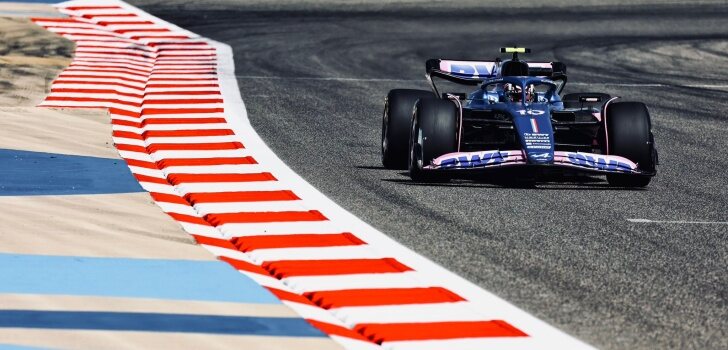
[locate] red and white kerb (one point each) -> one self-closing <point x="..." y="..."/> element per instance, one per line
<point x="178" y="122"/>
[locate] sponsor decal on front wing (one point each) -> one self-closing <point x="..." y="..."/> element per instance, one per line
<point x="486" y="159"/>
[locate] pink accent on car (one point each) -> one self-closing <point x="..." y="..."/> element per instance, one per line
<point x="604" y="119"/>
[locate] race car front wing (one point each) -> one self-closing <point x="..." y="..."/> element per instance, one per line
<point x="589" y="162"/>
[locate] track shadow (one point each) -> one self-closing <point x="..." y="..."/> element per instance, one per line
<point x="516" y="181"/>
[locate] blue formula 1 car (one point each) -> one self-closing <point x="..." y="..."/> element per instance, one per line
<point x="516" y="118"/>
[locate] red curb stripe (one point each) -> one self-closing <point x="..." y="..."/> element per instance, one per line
<point x="59" y="20"/>
<point x="246" y="196"/>
<point x="244" y="265"/>
<point x="124" y="112"/>
<point x="135" y="72"/>
<point x="91" y="77"/>
<point x="288" y="296"/>
<point x="179" y="101"/>
<point x="107" y="23"/>
<point x="118" y="51"/>
<point x="205" y="161"/>
<point x="150" y="179"/>
<point x="91" y="99"/>
<point x="95" y="91"/>
<point x="152" y="86"/>
<point x="122" y="122"/>
<point x="151" y="30"/>
<point x="168" y="198"/>
<point x="211" y="92"/>
<point x="332" y="329"/>
<point x="177" y="179"/>
<point x="305" y="240"/>
<point x="217" y="242"/>
<point x="80" y="8"/>
<point x="90" y="16"/>
<point x="387" y="296"/>
<point x="292" y="268"/>
<point x="127" y="135"/>
<point x="141" y="164"/>
<point x="131" y="148"/>
<point x="157" y="111"/>
<point x="188" y="218"/>
<point x="257" y="217"/>
<point x="216" y="146"/>
<point x="113" y="83"/>
<point x="386" y="332"/>
<point x="138" y="37"/>
<point x="183" y="121"/>
<point x="186" y="133"/>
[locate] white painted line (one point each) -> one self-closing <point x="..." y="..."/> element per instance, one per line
<point x="436" y="312"/>
<point x="190" y="139"/>
<point x="177" y="208"/>
<point x="407" y="279"/>
<point x="251" y="207"/>
<point x="316" y="253"/>
<point x="281" y="228"/>
<point x="163" y="127"/>
<point x="648" y="221"/>
<point x="232" y="187"/>
<point x="200" y="154"/>
<point x="214" y="169"/>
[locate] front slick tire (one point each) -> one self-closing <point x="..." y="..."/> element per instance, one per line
<point x="396" y="125"/>
<point x="433" y="133"/>
<point x="629" y="135"/>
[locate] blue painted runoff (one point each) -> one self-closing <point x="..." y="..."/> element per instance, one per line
<point x="25" y="173"/>
<point x="156" y="322"/>
<point x="18" y="347"/>
<point x="133" y="278"/>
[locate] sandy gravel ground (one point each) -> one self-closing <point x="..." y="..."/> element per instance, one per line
<point x="30" y="58"/>
<point x="111" y="225"/>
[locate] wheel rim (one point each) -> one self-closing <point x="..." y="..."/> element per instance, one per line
<point x="385" y="127"/>
<point x="416" y="146"/>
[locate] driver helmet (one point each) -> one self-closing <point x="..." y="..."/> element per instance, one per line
<point x="530" y="93"/>
<point x="512" y="92"/>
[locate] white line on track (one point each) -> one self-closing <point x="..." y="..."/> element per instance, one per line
<point x="648" y="221"/>
<point x="272" y="77"/>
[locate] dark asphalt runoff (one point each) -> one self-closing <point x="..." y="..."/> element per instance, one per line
<point x="314" y="77"/>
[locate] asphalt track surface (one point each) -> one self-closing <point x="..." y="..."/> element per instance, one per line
<point x="314" y="77"/>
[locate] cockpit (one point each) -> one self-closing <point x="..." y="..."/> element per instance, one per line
<point x="515" y="90"/>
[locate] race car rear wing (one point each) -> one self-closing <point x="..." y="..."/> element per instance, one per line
<point x="474" y="72"/>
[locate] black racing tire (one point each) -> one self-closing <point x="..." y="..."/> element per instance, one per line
<point x="433" y="133"/>
<point x="629" y="135"/>
<point x="572" y="100"/>
<point x="396" y="122"/>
